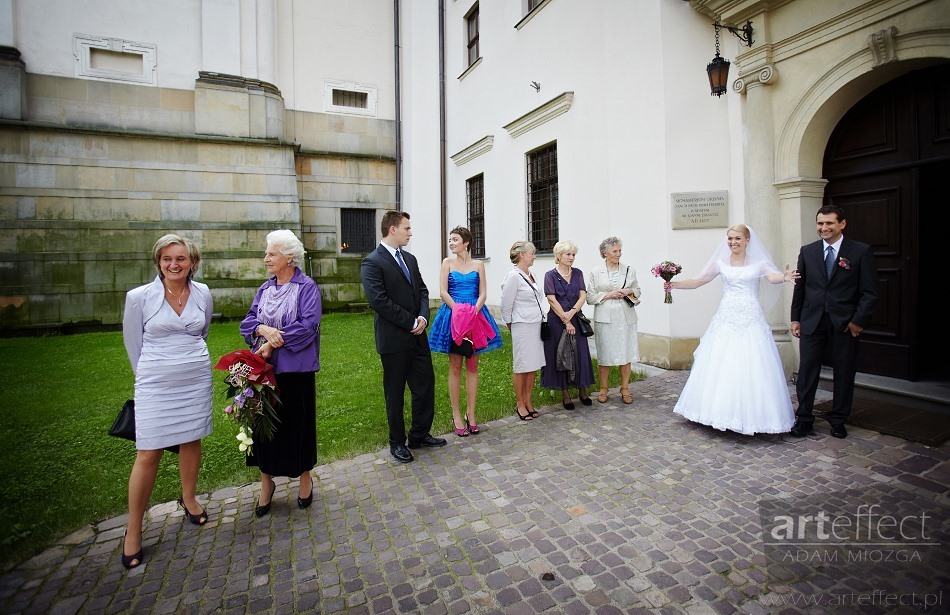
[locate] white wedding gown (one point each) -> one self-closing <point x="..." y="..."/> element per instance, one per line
<point x="737" y="382"/>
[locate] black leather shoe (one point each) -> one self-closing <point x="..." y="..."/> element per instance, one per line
<point x="428" y="442"/>
<point x="401" y="453"/>
<point x="800" y="429"/>
<point x="838" y="431"/>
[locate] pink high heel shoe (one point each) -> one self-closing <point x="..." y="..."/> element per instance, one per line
<point x="472" y="427"/>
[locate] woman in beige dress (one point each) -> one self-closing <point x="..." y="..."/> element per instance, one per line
<point x="614" y="292"/>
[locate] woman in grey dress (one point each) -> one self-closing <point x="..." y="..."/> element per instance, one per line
<point x="164" y="328"/>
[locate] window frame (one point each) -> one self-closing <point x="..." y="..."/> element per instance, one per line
<point x="352" y="86"/>
<point x="83" y="44"/>
<point x="472" y="42"/>
<point x="543" y="197"/>
<point x="356" y="226"/>
<point x="475" y="213"/>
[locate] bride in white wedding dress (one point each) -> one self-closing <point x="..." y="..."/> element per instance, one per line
<point x="737" y="382"/>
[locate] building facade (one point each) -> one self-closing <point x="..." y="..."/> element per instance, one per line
<point x="537" y="119"/>
<point x="842" y="101"/>
<point x="221" y="121"/>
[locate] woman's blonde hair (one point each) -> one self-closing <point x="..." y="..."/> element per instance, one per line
<point x="287" y="244"/>
<point x="565" y="246"/>
<point x="172" y="239"/>
<point x="742" y="228"/>
<point x="518" y="248"/>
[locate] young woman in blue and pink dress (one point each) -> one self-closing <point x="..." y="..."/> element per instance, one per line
<point x="463" y="322"/>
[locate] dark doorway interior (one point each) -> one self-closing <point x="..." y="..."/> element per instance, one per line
<point x="932" y="307"/>
<point x="888" y="164"/>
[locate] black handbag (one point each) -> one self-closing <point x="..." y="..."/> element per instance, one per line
<point x="124" y="425"/>
<point x="583" y="325"/>
<point x="545" y="331"/>
<point x="466" y="348"/>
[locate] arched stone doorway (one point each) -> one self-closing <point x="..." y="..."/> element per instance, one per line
<point x="887" y="162"/>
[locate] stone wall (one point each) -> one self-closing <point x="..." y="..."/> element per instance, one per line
<point x="94" y="172"/>
<point x="327" y="184"/>
<point x="80" y="212"/>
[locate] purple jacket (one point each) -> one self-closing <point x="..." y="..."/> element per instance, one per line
<point x="301" y="349"/>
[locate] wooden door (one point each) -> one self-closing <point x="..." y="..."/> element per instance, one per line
<point x="887" y="164"/>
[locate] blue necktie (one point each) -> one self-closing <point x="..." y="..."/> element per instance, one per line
<point x="402" y="265"/>
<point x="829" y="261"/>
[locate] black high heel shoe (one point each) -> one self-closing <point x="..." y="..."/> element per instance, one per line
<point x="523" y="417"/>
<point x="128" y="559"/>
<point x="262" y="509"/>
<point x="199" y="519"/>
<point x="307" y="501"/>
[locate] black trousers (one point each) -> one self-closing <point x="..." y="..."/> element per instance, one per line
<point x="413" y="368"/>
<point x="844" y="350"/>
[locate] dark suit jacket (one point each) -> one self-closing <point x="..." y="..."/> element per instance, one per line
<point x="848" y="296"/>
<point x="396" y="302"/>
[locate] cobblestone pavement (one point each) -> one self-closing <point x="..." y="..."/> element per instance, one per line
<point x="608" y="509"/>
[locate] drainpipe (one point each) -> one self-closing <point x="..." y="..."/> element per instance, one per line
<point x="443" y="210"/>
<point x="398" y="111"/>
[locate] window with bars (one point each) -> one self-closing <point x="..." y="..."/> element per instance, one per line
<point x="475" y="199"/>
<point x="471" y="34"/>
<point x="347" y="98"/>
<point x="543" y="197"/>
<point x="357" y="231"/>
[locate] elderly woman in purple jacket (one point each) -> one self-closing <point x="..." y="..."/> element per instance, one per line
<point x="283" y="326"/>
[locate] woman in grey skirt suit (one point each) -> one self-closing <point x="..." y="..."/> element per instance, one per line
<point x="521" y="311"/>
<point x="164" y="328"/>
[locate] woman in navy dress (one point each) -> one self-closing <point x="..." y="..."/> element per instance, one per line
<point x="566" y="293"/>
<point x="463" y="321"/>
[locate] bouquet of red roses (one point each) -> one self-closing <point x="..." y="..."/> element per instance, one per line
<point x="666" y="270"/>
<point x="253" y="386"/>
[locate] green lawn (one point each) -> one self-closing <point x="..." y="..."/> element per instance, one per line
<point x="61" y="469"/>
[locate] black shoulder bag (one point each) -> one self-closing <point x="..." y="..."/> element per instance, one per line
<point x="545" y="328"/>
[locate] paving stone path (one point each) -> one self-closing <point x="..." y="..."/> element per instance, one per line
<point x="608" y="509"/>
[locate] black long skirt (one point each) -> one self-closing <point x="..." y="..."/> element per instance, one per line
<point x="293" y="450"/>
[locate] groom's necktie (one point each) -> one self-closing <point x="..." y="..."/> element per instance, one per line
<point x="402" y="265"/>
<point x="829" y="261"/>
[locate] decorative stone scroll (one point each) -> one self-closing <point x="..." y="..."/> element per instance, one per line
<point x="765" y="75"/>
<point x="883" y="45"/>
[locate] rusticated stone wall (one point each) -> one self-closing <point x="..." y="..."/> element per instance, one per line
<point x="80" y="212"/>
<point x="94" y="172"/>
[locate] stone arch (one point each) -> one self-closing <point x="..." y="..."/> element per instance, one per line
<point x="801" y="145"/>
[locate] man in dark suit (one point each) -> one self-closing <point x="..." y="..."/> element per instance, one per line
<point x="831" y="305"/>
<point x="396" y="292"/>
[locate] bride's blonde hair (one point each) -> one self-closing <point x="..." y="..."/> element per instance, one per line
<point x="742" y="228"/>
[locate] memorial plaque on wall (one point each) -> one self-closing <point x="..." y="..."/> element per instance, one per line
<point x="700" y="209"/>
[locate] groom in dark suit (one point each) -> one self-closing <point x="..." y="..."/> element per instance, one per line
<point x="396" y="292"/>
<point x="831" y="305"/>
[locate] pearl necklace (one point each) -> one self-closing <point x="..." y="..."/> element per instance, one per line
<point x="179" y="296"/>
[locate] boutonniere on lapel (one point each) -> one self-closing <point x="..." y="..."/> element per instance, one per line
<point x="844" y="263"/>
